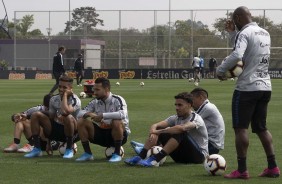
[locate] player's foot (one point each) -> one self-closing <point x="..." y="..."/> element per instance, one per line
<point x="36" y="152"/>
<point x="85" y="157"/>
<point x="12" y="148"/>
<point x="80" y="84"/>
<point x="115" y="158"/>
<point x="68" y="153"/>
<point x="149" y="162"/>
<point x="272" y="173"/>
<point x="237" y="175"/>
<point x="25" y="149"/>
<point x="137" y="146"/>
<point x="133" y="160"/>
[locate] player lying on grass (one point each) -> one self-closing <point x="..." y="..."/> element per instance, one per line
<point x="22" y="125"/>
<point x="184" y="136"/>
<point x="212" y="118"/>
<point x="60" y="123"/>
<point x="104" y="121"/>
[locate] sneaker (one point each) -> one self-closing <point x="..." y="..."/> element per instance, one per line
<point x="137" y="146"/>
<point x="149" y="162"/>
<point x="85" y="157"/>
<point x="272" y="173"/>
<point x="36" y="152"/>
<point x="68" y="153"/>
<point x="115" y="158"/>
<point x="133" y="160"/>
<point x="12" y="148"/>
<point x="80" y="84"/>
<point x="25" y="149"/>
<point x="237" y="175"/>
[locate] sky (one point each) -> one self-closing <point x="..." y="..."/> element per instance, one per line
<point x="139" y="19"/>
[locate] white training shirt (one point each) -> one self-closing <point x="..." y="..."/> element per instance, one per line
<point x="199" y="133"/>
<point x="252" y="46"/>
<point x="214" y="123"/>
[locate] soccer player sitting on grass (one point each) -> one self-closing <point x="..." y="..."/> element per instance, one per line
<point x="184" y="136"/>
<point x="212" y="118"/>
<point x="22" y="125"/>
<point x="107" y="124"/>
<point x="60" y="124"/>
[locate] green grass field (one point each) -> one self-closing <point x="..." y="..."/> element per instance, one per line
<point x="146" y="105"/>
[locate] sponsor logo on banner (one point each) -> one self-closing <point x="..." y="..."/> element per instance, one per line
<point x="16" y="76"/>
<point x="126" y="75"/>
<point x="104" y="74"/>
<point x="43" y="76"/>
<point x="170" y="74"/>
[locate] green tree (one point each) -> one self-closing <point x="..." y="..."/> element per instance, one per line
<point x="83" y="19"/>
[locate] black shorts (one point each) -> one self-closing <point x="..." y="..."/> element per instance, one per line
<point x="103" y="137"/>
<point x="188" y="150"/>
<point x="250" y="106"/>
<point x="58" y="133"/>
<point x="197" y="69"/>
<point x="212" y="149"/>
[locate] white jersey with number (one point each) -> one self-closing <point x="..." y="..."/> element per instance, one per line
<point x="214" y="123"/>
<point x="199" y="133"/>
<point x="252" y="46"/>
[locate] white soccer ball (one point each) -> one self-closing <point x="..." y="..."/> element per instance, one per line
<point x="155" y="150"/>
<point x="117" y="83"/>
<point x="110" y="150"/>
<point x="62" y="148"/>
<point x="235" y="71"/>
<point x="82" y="94"/>
<point x="215" y="165"/>
<point x="196" y="83"/>
<point x="190" y="79"/>
<point x="142" y="84"/>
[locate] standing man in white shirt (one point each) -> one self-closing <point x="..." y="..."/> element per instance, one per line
<point x="252" y="91"/>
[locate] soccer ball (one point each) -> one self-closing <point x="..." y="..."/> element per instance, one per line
<point x="190" y="79"/>
<point x="117" y="83"/>
<point x="142" y="84"/>
<point x="215" y="165"/>
<point x="196" y="83"/>
<point x="110" y="150"/>
<point x="82" y="94"/>
<point x="155" y="150"/>
<point x="235" y="71"/>
<point x="62" y="148"/>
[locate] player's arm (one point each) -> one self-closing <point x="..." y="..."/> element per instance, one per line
<point x="177" y="129"/>
<point x="120" y="113"/>
<point x="66" y="108"/>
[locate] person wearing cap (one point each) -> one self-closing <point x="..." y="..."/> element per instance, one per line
<point x="79" y="69"/>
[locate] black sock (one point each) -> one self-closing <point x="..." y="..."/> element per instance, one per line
<point x="30" y="141"/>
<point x="36" y="140"/>
<point x="160" y="155"/>
<point x="117" y="147"/>
<point x="17" y="141"/>
<point x="143" y="153"/>
<point x="43" y="145"/>
<point x="86" y="147"/>
<point x="242" y="164"/>
<point x="69" y="142"/>
<point x="271" y="161"/>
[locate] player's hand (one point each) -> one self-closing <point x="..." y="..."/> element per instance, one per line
<point x="97" y="118"/>
<point x="153" y="137"/>
<point x="68" y="92"/>
<point x="229" y="26"/>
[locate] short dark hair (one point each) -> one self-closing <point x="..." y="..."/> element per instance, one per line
<point x="61" y="48"/>
<point x="65" y="78"/>
<point x="185" y="96"/>
<point x="46" y="100"/>
<point x="105" y="82"/>
<point x="200" y="92"/>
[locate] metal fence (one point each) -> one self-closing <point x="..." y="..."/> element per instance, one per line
<point x="144" y="38"/>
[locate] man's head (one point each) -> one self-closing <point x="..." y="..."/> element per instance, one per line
<point x="79" y="55"/>
<point x="199" y="96"/>
<point x="102" y="88"/>
<point x="241" y="17"/>
<point x="46" y="100"/>
<point x="65" y="83"/>
<point x="62" y="49"/>
<point x="183" y="104"/>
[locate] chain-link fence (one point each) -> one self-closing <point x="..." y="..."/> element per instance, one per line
<point x="132" y="38"/>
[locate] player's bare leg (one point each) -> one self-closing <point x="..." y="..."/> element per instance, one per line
<point x="70" y="126"/>
<point x="117" y="134"/>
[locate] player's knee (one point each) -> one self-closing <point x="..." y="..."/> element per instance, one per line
<point x="117" y="124"/>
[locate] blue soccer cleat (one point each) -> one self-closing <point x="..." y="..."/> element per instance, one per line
<point x="149" y="162"/>
<point x="85" y="157"/>
<point x="68" y="153"/>
<point x="137" y="146"/>
<point x="36" y="152"/>
<point x="115" y="158"/>
<point x="133" y="160"/>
